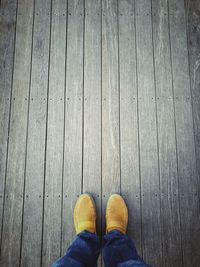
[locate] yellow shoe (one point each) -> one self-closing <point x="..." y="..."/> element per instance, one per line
<point x="85" y="214"/>
<point x="116" y="214"/>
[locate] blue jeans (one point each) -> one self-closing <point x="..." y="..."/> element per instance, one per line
<point x="118" y="251"/>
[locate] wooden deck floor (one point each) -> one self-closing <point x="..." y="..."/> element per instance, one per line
<point x="100" y="97"/>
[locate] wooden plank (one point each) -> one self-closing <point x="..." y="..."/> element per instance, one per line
<point x="72" y="177"/>
<point x="187" y="168"/>
<point x="110" y="103"/>
<point x="55" y="133"/>
<point x="92" y="104"/>
<point x="11" y="236"/>
<point x="170" y="215"/>
<point x="130" y="177"/>
<point x="7" y="43"/>
<point x="193" y="26"/>
<point x="152" y="247"/>
<point x="34" y="178"/>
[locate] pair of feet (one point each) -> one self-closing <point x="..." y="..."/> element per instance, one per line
<point x="85" y="214"/>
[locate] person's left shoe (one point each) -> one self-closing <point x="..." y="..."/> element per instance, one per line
<point x="85" y="214"/>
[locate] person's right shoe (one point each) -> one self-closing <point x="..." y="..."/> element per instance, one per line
<point x="116" y="214"/>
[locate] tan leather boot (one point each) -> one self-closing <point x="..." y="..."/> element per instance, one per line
<point x="116" y="214"/>
<point x="85" y="214"/>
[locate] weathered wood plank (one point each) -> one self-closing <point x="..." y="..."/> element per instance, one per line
<point x="92" y="104"/>
<point x="55" y="133"/>
<point x="34" y="178"/>
<point x="72" y="178"/>
<point x="7" y="43"/>
<point x="110" y="103"/>
<point x="193" y="30"/>
<point x="12" y="222"/>
<point x="187" y="169"/>
<point x="130" y="177"/>
<point x="152" y="247"/>
<point x="170" y="212"/>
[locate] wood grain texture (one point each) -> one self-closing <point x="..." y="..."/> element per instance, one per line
<point x="12" y="221"/>
<point x="55" y="134"/>
<point x="92" y="104"/>
<point x="130" y="176"/>
<point x="72" y="178"/>
<point x="170" y="212"/>
<point x="150" y="185"/>
<point x="193" y="32"/>
<point x="34" y="178"/>
<point x="110" y="103"/>
<point x="7" y="44"/>
<point x="187" y="168"/>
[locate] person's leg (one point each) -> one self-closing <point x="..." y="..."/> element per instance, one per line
<point x="119" y="250"/>
<point x="85" y="248"/>
<point x="84" y="251"/>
